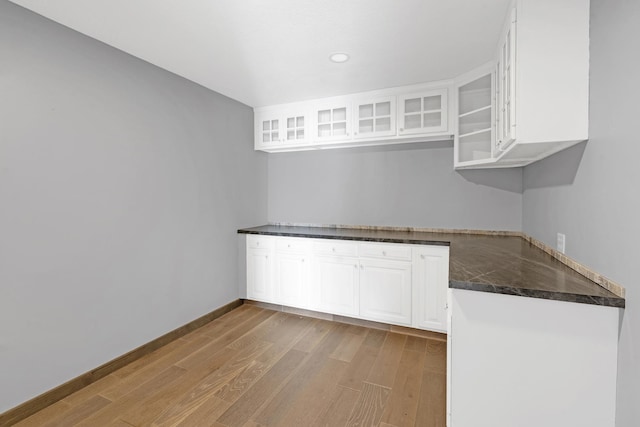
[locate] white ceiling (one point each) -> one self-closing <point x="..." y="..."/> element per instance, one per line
<point x="264" y="52"/>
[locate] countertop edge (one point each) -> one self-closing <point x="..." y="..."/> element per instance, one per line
<point x="356" y="238"/>
<point x="615" y="302"/>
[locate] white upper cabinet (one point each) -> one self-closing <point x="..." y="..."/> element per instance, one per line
<point x="277" y="128"/>
<point x="333" y="121"/>
<point x="375" y="117"/>
<point x="475" y="136"/>
<point x="417" y="113"/>
<point x="529" y="102"/>
<point x="423" y="112"/>
<point x="542" y="64"/>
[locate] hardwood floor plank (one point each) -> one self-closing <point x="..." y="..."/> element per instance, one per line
<point x="315" y="396"/>
<point x="143" y="393"/>
<point x="154" y="365"/>
<point x="363" y="361"/>
<point x="220" y="325"/>
<point x="205" y="388"/>
<point x="432" y="406"/>
<point x="348" y="348"/>
<point x="50" y="412"/>
<point x="91" y="390"/>
<point x="384" y="369"/>
<point x="370" y="405"/>
<point x="436" y="360"/>
<point x="275" y="409"/>
<point x="242" y="410"/>
<point x="414" y="343"/>
<point x="209" y="410"/>
<point x="78" y="413"/>
<point x="402" y="405"/>
<point x="318" y="330"/>
<point x="204" y="354"/>
<point x="337" y="413"/>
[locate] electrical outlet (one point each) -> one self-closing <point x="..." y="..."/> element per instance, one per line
<point x="561" y="242"/>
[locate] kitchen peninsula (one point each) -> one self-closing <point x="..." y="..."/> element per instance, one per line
<point x="521" y="325"/>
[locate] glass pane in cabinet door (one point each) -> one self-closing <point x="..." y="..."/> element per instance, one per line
<point x="324" y="116"/>
<point x="324" y="130"/>
<point x="383" y="124"/>
<point x="432" y="103"/>
<point x="291" y="122"/>
<point x="266" y="125"/>
<point x="412" y="121"/>
<point x="432" y="119"/>
<point x="365" y="126"/>
<point x="366" y="111"/>
<point x="412" y="105"/>
<point x="339" y="114"/>
<point x="291" y="134"/>
<point x="383" y="108"/>
<point x="266" y="137"/>
<point x="300" y="121"/>
<point x="300" y="134"/>
<point x="274" y="135"/>
<point x="340" y="128"/>
<point x="274" y="124"/>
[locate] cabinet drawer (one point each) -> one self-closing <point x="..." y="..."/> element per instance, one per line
<point x="259" y="241"/>
<point x="291" y="245"/>
<point x="373" y="250"/>
<point x="335" y="247"/>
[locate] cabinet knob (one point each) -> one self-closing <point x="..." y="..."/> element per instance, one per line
<point x="401" y="129"/>
<point x="355" y="265"/>
<point x="384" y="253"/>
<point x="257" y="243"/>
<point x="333" y="249"/>
<point x="288" y="246"/>
<point x="302" y="259"/>
<point x="422" y="256"/>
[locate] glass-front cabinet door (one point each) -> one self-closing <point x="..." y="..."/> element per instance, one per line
<point x="296" y="127"/>
<point x="424" y="112"/>
<point x="268" y="126"/>
<point x="275" y="128"/>
<point x="375" y="117"/>
<point x="333" y="122"/>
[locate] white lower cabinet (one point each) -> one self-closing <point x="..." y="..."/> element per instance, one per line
<point x="385" y="291"/>
<point x="260" y="268"/>
<point x="399" y="284"/>
<point x="337" y="285"/>
<point x="430" y="269"/>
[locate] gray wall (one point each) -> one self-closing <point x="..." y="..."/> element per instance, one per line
<point x="591" y="193"/>
<point x="121" y="187"/>
<point x="413" y="185"/>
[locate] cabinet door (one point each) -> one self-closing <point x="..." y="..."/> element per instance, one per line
<point x="291" y="279"/>
<point x="385" y="291"/>
<point x="296" y="127"/>
<point x="430" y="284"/>
<point x="268" y="129"/>
<point x="375" y="117"/>
<point x="424" y="112"/>
<point x="336" y="287"/>
<point x="506" y="88"/>
<point x="475" y="135"/>
<point x="259" y="274"/>
<point x="333" y="122"/>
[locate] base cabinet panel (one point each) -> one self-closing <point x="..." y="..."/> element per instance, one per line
<point x="431" y="269"/>
<point x="385" y="291"/>
<point x="259" y="275"/>
<point x="530" y="362"/>
<point x="291" y="280"/>
<point x="337" y="285"/>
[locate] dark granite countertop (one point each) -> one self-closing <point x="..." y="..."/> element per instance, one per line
<point x="487" y="263"/>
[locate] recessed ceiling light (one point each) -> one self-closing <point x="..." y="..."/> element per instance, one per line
<point x="339" y="57"/>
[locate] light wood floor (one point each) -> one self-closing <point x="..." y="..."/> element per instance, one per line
<point x="257" y="367"/>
